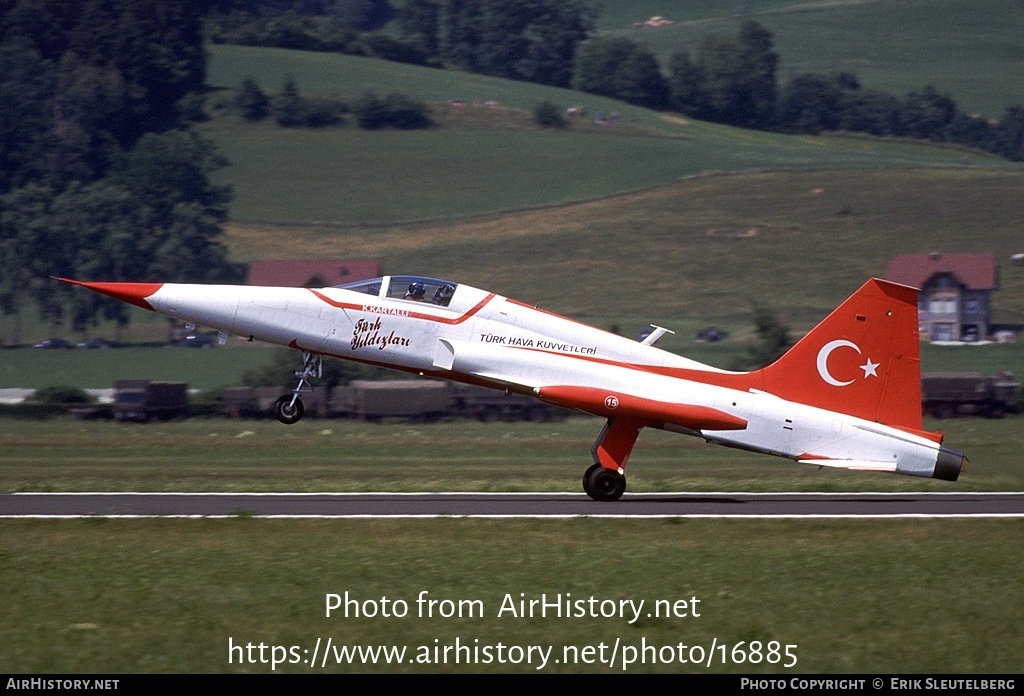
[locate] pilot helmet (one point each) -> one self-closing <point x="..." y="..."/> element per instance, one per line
<point x="443" y="294"/>
<point x="416" y="290"/>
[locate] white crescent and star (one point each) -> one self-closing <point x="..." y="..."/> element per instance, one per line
<point x="870" y="368"/>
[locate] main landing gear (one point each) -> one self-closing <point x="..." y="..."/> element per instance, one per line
<point x="605" y="479"/>
<point x="603" y="484"/>
<point x="288" y="408"/>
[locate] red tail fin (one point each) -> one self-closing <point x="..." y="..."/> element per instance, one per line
<point x="863" y="359"/>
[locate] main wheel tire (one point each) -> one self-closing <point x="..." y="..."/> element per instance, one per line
<point x="287" y="412"/>
<point x="604" y="485"/>
<point x="586" y="477"/>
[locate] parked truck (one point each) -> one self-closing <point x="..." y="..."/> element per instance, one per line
<point x="415" y="399"/>
<point x="490" y="405"/>
<point x="368" y="400"/>
<point x="141" y="400"/>
<point x="952" y="394"/>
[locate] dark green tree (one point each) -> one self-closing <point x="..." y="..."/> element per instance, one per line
<point x="393" y="111"/>
<point x="1009" y="134"/>
<point x="773" y="340"/>
<point x="288" y="105"/>
<point x="291" y="110"/>
<point x="363" y="15"/>
<point x="927" y="114"/>
<point x="167" y="169"/>
<point x="687" y="86"/>
<point x="973" y="131"/>
<point x="534" y="40"/>
<point x="761" y="84"/>
<point x="548" y="115"/>
<point x="870" y="111"/>
<point x="460" y="33"/>
<point x="812" y="103"/>
<point x="26" y="93"/>
<point x="420" y="23"/>
<point x="729" y="81"/>
<point x="252" y="102"/>
<point x="621" y="69"/>
<point x="92" y="182"/>
<point x="27" y="248"/>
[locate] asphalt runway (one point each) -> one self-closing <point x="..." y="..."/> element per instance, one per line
<point x="537" y="505"/>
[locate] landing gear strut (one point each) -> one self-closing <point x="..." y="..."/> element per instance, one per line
<point x="605" y="480"/>
<point x="289" y="408"/>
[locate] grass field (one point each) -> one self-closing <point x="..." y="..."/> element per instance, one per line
<point x="99" y="369"/>
<point x="325" y="455"/>
<point x="144" y="596"/>
<point x="800" y="241"/>
<point x="158" y="596"/>
<point x="350" y="176"/>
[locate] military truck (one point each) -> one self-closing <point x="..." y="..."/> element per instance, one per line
<point x="141" y="400"/>
<point x="416" y="399"/>
<point x="952" y="394"/>
<point x="490" y="405"/>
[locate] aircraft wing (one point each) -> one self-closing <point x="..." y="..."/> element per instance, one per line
<point x="611" y="403"/>
<point x="477" y="361"/>
<point x="484" y="363"/>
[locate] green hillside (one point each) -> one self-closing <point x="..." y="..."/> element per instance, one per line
<point x="349" y="176"/>
<point x="972" y="51"/>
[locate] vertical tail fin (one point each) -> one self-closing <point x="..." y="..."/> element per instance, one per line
<point x="863" y="359"/>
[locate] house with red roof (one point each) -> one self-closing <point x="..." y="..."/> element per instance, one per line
<point x="954" y="302"/>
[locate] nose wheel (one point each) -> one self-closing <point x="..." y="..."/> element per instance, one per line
<point x="603" y="484"/>
<point x="288" y="409"/>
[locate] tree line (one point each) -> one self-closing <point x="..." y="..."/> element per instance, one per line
<point x="724" y="79"/>
<point x="290" y="109"/>
<point x="733" y="81"/>
<point x="101" y="175"/>
<point x="531" y="40"/>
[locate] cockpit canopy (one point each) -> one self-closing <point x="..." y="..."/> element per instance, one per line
<point x="412" y="288"/>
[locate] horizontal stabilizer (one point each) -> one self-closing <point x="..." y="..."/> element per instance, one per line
<point x="853" y="464"/>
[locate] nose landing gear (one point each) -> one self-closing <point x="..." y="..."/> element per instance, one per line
<point x="289" y="408"/>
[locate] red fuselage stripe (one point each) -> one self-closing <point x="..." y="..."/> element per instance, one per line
<point x="451" y="321"/>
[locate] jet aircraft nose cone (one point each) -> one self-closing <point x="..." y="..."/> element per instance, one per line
<point x="132" y="293"/>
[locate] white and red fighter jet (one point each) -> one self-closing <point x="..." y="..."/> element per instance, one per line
<point x="847" y="395"/>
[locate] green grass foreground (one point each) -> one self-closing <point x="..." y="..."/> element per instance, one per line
<point x="144" y="596"/>
<point x="321" y="455"/>
<point x="120" y="596"/>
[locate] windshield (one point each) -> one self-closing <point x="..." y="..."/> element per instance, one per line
<point x="370" y="287"/>
<point x="410" y="288"/>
